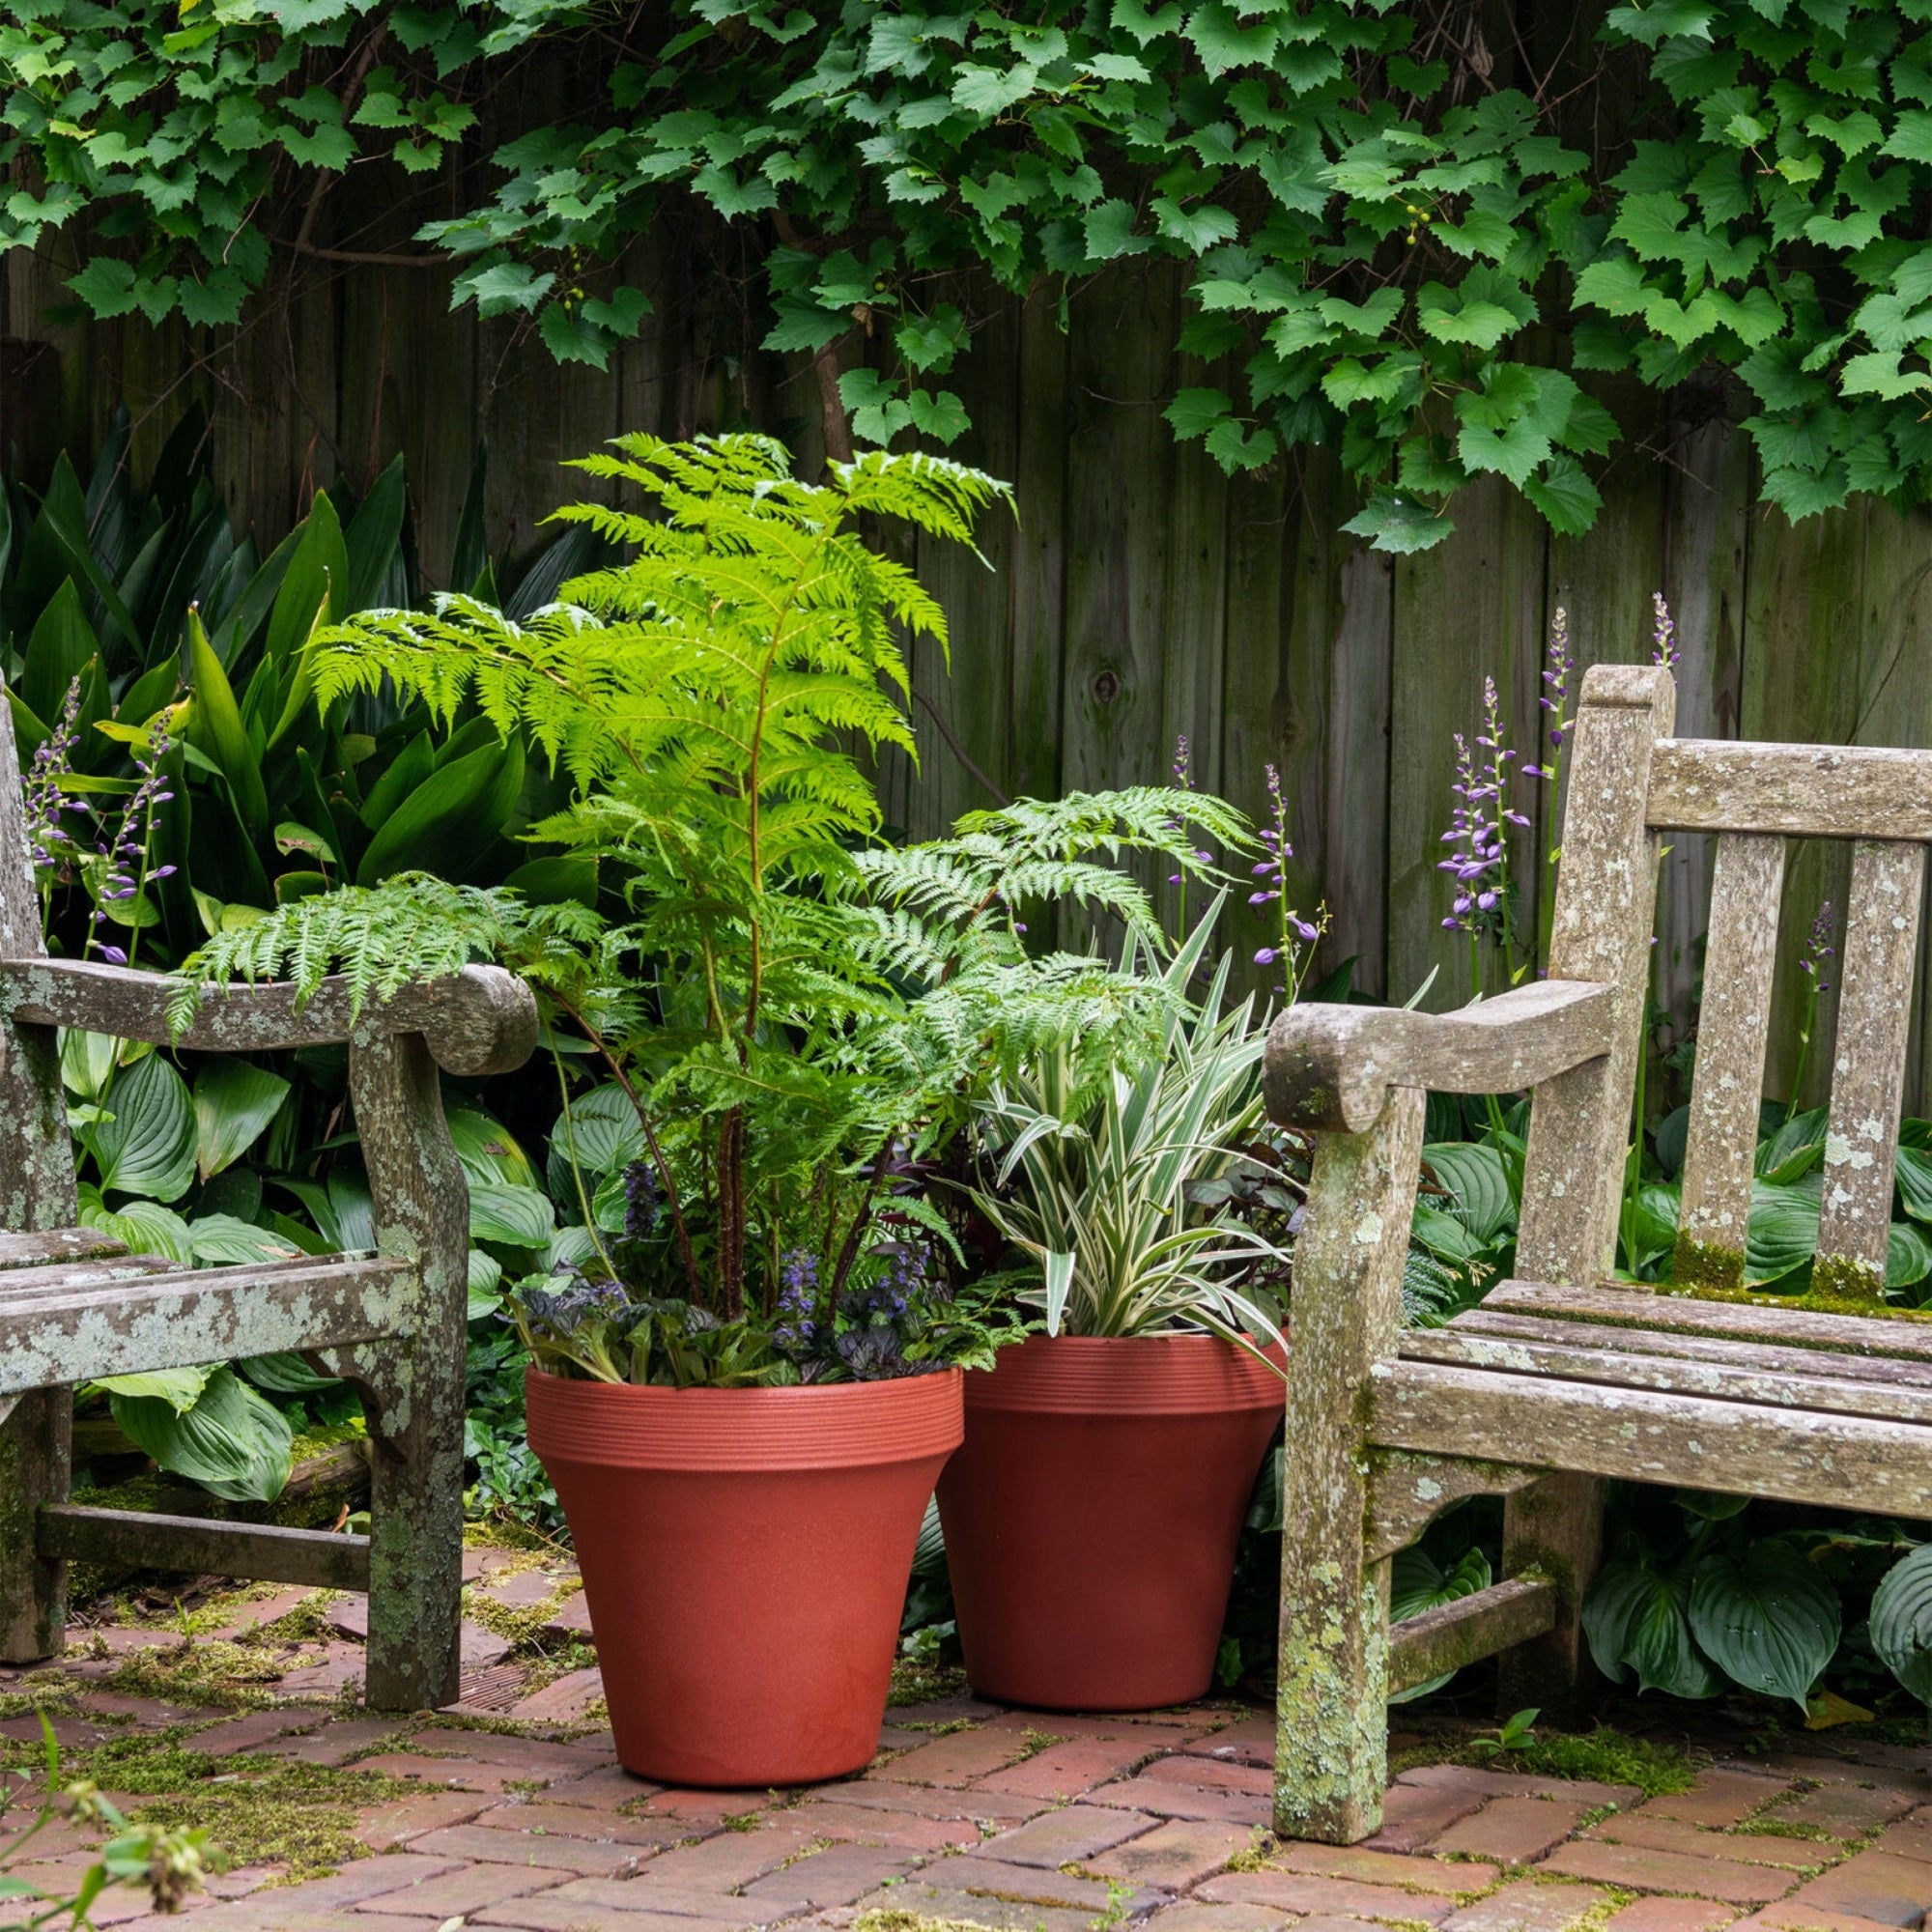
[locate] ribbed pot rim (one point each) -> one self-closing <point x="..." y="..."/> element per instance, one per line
<point x="840" y="1425"/>
<point x="1125" y="1375"/>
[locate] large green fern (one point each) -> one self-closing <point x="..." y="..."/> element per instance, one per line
<point x="710" y="698"/>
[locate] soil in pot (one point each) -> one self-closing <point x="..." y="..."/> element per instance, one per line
<point x="745" y="1556"/>
<point x="1092" y="1514"/>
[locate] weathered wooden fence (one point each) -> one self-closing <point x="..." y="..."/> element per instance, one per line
<point x="1140" y="595"/>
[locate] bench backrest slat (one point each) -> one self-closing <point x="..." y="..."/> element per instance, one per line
<point x="1755" y="797"/>
<point x="1606" y="900"/>
<point x="1739" y="961"/>
<point x="1806" y="791"/>
<point x="1868" y="1064"/>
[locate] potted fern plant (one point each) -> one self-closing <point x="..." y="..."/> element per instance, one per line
<point x="746" y="1380"/>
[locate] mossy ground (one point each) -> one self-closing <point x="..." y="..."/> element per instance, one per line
<point x="257" y="1810"/>
<point x="915" y="1681"/>
<point x="1601" y="1756"/>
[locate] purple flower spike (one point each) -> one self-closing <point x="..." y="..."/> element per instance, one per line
<point x="1664" y="647"/>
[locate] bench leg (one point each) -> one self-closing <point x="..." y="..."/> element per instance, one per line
<point x="1555" y="1525"/>
<point x="413" y="1392"/>
<point x="36" y="1468"/>
<point x="1331" y="1753"/>
<point x="416" y="1536"/>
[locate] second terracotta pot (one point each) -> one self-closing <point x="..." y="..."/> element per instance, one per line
<point x="1091" y="1516"/>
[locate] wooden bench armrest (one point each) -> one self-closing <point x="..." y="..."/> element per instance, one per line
<point x="480" y="1020"/>
<point x="1330" y="1067"/>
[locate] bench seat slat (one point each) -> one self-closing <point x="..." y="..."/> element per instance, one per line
<point x="1769" y="1357"/>
<point x="204" y="1315"/>
<point x="57" y="1244"/>
<point x="1577" y="1359"/>
<point x="1738" y="1448"/>
<point x="1616" y="1305"/>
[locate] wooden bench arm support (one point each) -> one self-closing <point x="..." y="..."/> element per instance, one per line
<point x="1330" y="1067"/>
<point x="482" y="1020"/>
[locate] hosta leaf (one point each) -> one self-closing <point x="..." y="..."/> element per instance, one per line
<point x="234" y="1103"/>
<point x="149" y="1146"/>
<point x="1638" y="1618"/>
<point x="518" y="1216"/>
<point x="485" y="1283"/>
<point x="147" y="1228"/>
<point x="487" y="1149"/>
<point x="232" y="1442"/>
<point x="1769" y="1620"/>
<point x="1783" y="1232"/>
<point x="1908" y="1256"/>
<point x="284" y="1375"/>
<point x="1915" y="1182"/>
<point x="1474" y="1176"/>
<point x="179" y="1387"/>
<point x="601" y="1129"/>
<point x="1419" y="1583"/>
<point x="222" y="1240"/>
<point x="1901" y="1622"/>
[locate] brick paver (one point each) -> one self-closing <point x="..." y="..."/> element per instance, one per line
<point x="1174" y="1855"/>
<point x="1297" y="1891"/>
<point x="1721" y="1796"/>
<point x="1512" y="1830"/>
<point x="1642" y="1870"/>
<point x="1873" y="1885"/>
<point x="1012" y="1820"/>
<point x="1670" y="1914"/>
<point x="1070" y="1835"/>
<point x="1528" y="1907"/>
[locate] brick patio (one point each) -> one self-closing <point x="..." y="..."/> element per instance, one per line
<point x="1015" y="1821"/>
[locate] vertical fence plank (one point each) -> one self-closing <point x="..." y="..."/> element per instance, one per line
<point x="1805" y="595"/>
<point x="1120" y="461"/>
<point x="975" y="697"/>
<point x="1705" y="525"/>
<point x="1469" y="609"/>
<point x="1264" y="531"/>
<point x="1895" y="699"/>
<point x="1036" y="570"/>
<point x="1355" y="806"/>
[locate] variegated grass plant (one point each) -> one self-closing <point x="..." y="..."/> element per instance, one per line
<point x="1093" y="1179"/>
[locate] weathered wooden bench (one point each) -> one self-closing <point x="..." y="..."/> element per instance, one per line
<point x="74" y="1305"/>
<point x="1563" y="1377"/>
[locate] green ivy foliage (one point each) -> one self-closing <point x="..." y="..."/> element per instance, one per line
<point x="1385" y="248"/>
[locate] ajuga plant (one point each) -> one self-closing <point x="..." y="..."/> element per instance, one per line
<point x="788" y="1014"/>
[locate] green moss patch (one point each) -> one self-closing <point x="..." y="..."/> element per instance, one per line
<point x="1603" y="1756"/>
<point x="256" y="1810"/>
<point x="917" y="1682"/>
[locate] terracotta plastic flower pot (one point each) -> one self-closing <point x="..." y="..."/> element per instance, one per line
<point x="745" y="1556"/>
<point x="1091" y="1516"/>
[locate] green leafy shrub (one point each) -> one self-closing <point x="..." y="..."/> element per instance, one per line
<point x="1397" y="239"/>
<point x="181" y="780"/>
